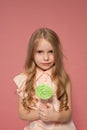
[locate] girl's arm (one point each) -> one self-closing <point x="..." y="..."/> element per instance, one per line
<point x="25" y="114"/>
<point x="65" y="115"/>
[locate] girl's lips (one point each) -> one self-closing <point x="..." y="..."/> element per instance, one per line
<point x="46" y="64"/>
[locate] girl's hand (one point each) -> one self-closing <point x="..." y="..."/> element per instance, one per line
<point x="47" y="112"/>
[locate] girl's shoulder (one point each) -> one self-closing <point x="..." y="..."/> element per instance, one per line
<point x="22" y="75"/>
<point x="19" y="79"/>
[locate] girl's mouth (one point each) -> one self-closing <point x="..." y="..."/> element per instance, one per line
<point x="46" y="64"/>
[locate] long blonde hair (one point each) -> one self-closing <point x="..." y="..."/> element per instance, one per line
<point x="59" y="74"/>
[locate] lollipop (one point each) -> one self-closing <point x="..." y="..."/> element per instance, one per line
<point x="44" y="92"/>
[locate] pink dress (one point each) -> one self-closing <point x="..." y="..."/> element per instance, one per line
<point x="42" y="77"/>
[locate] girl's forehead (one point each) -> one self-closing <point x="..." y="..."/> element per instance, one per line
<point x="44" y="44"/>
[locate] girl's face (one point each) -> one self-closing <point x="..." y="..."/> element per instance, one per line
<point x="44" y="55"/>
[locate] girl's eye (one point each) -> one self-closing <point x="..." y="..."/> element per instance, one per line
<point x="51" y="51"/>
<point x="39" y="51"/>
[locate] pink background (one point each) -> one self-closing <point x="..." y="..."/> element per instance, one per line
<point x="18" y="19"/>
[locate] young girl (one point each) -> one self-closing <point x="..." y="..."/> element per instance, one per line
<point x="44" y="65"/>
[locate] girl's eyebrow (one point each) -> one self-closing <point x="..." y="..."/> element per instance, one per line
<point x="43" y="50"/>
<point x="39" y="50"/>
<point x="50" y="50"/>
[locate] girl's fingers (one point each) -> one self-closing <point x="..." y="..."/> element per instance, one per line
<point x="41" y="109"/>
<point x="42" y="115"/>
<point x="49" y="105"/>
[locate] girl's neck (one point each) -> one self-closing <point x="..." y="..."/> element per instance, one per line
<point x="41" y="70"/>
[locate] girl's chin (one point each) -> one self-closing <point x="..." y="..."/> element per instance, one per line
<point x="44" y="68"/>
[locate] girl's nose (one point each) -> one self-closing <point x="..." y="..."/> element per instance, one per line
<point x="46" y="56"/>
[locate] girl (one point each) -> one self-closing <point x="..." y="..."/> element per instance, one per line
<point x="44" y="65"/>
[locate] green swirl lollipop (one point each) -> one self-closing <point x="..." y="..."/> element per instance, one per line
<point x="44" y="92"/>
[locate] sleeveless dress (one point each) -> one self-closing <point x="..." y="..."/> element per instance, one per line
<point x="42" y="77"/>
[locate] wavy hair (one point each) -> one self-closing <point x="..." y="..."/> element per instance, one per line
<point x="59" y="74"/>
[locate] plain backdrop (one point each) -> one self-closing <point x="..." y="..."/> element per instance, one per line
<point x="18" y="20"/>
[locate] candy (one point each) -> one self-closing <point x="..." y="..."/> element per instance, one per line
<point x="43" y="91"/>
